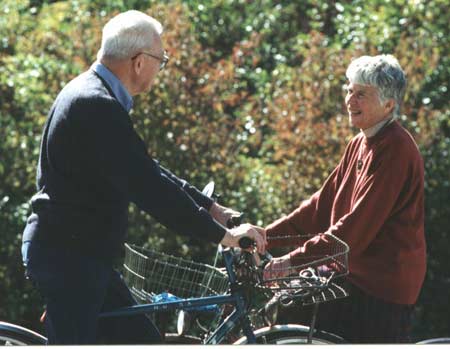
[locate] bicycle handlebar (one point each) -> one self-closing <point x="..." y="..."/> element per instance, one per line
<point x="246" y="242"/>
<point x="234" y="221"/>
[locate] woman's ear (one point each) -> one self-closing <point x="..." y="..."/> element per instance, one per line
<point x="389" y="106"/>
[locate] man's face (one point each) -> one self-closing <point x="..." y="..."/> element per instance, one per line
<point x="150" y="66"/>
<point x="364" y="106"/>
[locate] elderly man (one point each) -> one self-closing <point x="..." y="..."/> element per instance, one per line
<point x="374" y="201"/>
<point x="92" y="164"/>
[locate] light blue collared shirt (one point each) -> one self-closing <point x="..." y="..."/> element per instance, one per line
<point x="120" y="92"/>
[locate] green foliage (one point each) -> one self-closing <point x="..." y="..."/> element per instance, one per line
<point x="252" y="98"/>
<point x="434" y="302"/>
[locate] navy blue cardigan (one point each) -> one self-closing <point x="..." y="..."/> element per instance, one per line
<point x="92" y="164"/>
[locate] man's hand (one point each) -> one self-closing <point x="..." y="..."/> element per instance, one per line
<point x="257" y="234"/>
<point x="222" y="214"/>
<point x="277" y="267"/>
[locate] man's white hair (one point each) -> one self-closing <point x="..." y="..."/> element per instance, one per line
<point x="127" y="34"/>
<point x="384" y="73"/>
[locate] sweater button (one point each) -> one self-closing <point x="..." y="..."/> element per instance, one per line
<point x="359" y="165"/>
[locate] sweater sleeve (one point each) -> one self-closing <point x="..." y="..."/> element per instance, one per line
<point x="124" y="162"/>
<point x="389" y="177"/>
<point x="310" y="218"/>
<point x="201" y="199"/>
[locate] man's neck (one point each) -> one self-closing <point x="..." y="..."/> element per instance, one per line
<point x="120" y="70"/>
<point x="115" y="84"/>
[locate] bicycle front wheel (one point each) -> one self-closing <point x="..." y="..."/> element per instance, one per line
<point x="11" y="334"/>
<point x="291" y="334"/>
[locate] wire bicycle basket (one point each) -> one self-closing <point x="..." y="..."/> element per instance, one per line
<point x="149" y="273"/>
<point x="311" y="277"/>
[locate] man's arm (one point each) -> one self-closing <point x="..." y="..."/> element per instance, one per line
<point x="201" y="199"/>
<point x="121" y="158"/>
<point x="220" y="213"/>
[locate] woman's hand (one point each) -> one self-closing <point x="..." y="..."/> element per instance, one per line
<point x="277" y="268"/>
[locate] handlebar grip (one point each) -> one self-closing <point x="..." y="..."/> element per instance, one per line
<point x="246" y="242"/>
<point x="234" y="221"/>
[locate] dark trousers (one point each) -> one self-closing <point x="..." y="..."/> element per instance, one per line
<point x="76" y="289"/>
<point x="359" y="318"/>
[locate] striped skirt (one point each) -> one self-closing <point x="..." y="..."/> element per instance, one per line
<point x="359" y="318"/>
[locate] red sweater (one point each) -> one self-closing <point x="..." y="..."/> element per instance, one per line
<point x="374" y="201"/>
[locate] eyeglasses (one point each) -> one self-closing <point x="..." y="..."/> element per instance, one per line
<point x="163" y="60"/>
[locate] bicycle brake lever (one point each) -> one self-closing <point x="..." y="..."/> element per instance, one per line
<point x="266" y="258"/>
<point x="235" y="221"/>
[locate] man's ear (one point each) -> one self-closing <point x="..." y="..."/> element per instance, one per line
<point x="137" y="64"/>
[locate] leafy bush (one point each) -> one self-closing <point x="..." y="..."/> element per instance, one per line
<point x="252" y="98"/>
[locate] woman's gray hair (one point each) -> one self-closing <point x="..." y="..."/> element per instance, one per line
<point x="384" y="73"/>
<point x="127" y="34"/>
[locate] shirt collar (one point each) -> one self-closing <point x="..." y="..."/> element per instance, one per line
<point x="372" y="131"/>
<point x="119" y="90"/>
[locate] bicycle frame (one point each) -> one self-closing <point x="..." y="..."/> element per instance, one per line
<point x="236" y="298"/>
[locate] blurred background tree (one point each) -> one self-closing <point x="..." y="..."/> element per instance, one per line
<point x="252" y="98"/>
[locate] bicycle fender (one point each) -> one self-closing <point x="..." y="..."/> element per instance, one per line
<point x="291" y="328"/>
<point x="441" y="340"/>
<point x="22" y="333"/>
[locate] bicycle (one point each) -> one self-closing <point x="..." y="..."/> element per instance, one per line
<point x="234" y="285"/>
<point x="245" y="273"/>
<point x="242" y="275"/>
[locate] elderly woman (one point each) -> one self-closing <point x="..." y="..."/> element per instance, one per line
<point x="374" y="201"/>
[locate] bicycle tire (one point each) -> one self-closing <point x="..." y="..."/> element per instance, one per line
<point x="173" y="338"/>
<point x="291" y="334"/>
<point x="11" y="334"/>
<point x="441" y="340"/>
